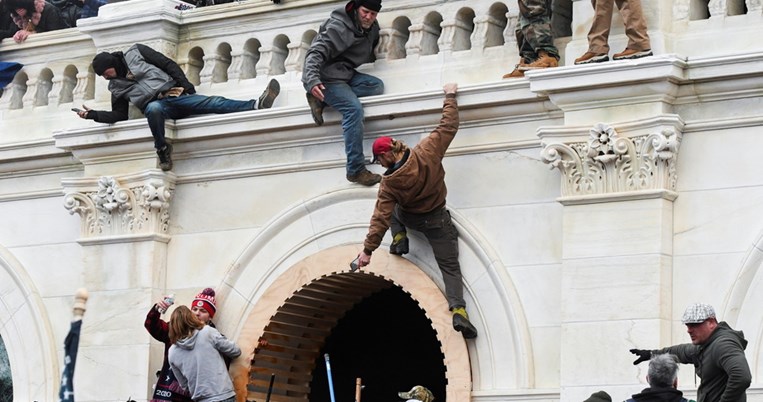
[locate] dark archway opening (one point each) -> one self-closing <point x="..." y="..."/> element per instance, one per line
<point x="386" y="340"/>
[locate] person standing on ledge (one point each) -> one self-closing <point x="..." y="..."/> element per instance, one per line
<point x="598" y="36"/>
<point x="412" y="194"/>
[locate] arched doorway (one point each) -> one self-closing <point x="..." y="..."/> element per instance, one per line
<point x="370" y="327"/>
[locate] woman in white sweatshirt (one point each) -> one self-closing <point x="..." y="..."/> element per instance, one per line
<point x="196" y="358"/>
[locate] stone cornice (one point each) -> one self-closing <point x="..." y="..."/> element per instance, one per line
<point x="284" y="127"/>
<point x="118" y="209"/>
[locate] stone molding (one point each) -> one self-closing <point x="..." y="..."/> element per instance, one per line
<point x="124" y="208"/>
<point x="609" y="163"/>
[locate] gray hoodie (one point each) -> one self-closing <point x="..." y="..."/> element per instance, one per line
<point x="721" y="364"/>
<point x="200" y="369"/>
<point x="340" y="47"/>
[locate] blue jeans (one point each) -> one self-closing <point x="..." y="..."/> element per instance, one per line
<point x="159" y="110"/>
<point x="343" y="96"/>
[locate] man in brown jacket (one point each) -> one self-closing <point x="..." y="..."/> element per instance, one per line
<point x="412" y="194"/>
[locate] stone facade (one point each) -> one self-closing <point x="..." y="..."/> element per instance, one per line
<point x="593" y="202"/>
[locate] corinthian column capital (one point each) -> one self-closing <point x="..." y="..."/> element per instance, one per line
<point x="121" y="208"/>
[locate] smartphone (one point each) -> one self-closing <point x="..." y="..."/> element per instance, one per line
<point x="77" y="110"/>
<point x="354" y="264"/>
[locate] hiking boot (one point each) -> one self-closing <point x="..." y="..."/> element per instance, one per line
<point x="591" y="57"/>
<point x="269" y="95"/>
<point x="461" y="323"/>
<point x="544" y="60"/>
<point x="399" y="244"/>
<point x="630" y="54"/>
<point x="517" y="73"/>
<point x="165" y="157"/>
<point x="364" y="177"/>
<point x="316" y="108"/>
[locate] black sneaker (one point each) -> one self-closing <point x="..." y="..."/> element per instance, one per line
<point x="461" y="323"/>
<point x="165" y="157"/>
<point x="399" y="244"/>
<point x="269" y="95"/>
<point x="316" y="108"/>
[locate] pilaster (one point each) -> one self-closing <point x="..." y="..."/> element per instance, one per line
<point x="618" y="186"/>
<point x="124" y="235"/>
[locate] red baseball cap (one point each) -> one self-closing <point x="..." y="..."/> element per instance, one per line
<point x="381" y="145"/>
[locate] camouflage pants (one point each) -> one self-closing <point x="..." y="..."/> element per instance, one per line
<point x="534" y="29"/>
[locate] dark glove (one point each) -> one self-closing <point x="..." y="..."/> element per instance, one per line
<point x="643" y="355"/>
<point x="399" y="244"/>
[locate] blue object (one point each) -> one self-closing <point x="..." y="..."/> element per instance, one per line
<point x="8" y="71"/>
<point x="328" y="375"/>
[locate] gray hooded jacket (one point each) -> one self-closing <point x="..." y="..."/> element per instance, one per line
<point x="199" y="366"/>
<point x="340" y="47"/>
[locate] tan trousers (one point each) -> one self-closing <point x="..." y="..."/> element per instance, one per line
<point x="635" y="25"/>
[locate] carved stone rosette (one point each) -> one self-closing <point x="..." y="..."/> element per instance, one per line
<point x="128" y="207"/>
<point x="608" y="163"/>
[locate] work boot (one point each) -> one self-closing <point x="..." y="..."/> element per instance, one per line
<point x="269" y="95"/>
<point x="316" y="108"/>
<point x="165" y="157"/>
<point x="630" y="54"/>
<point x="517" y="73"/>
<point x="399" y="244"/>
<point x="461" y="323"/>
<point x="364" y="177"/>
<point x="591" y="57"/>
<point x="544" y="60"/>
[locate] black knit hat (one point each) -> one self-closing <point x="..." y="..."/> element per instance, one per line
<point x="103" y="61"/>
<point x="373" y="5"/>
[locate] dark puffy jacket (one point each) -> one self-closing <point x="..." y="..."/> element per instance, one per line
<point x="720" y="363"/>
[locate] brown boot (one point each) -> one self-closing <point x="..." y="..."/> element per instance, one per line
<point x="630" y="54"/>
<point x="591" y="57"/>
<point x="544" y="60"/>
<point x="517" y="73"/>
<point x="364" y="177"/>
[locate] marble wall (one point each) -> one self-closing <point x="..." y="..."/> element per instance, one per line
<point x="593" y="202"/>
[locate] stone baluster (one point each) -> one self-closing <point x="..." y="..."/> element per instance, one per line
<point x="717" y="8"/>
<point x="423" y="40"/>
<point x="448" y="36"/>
<point x="83" y="87"/>
<point x="205" y="75"/>
<point x="680" y="10"/>
<point x="509" y="34"/>
<point x="382" y="49"/>
<point x="754" y="6"/>
<point x="296" y="58"/>
<point x="271" y="61"/>
<point x="9" y="92"/>
<point x="394" y="47"/>
<point x="236" y="63"/>
<point x="56" y="86"/>
<point x="28" y="101"/>
<point x="488" y="31"/>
